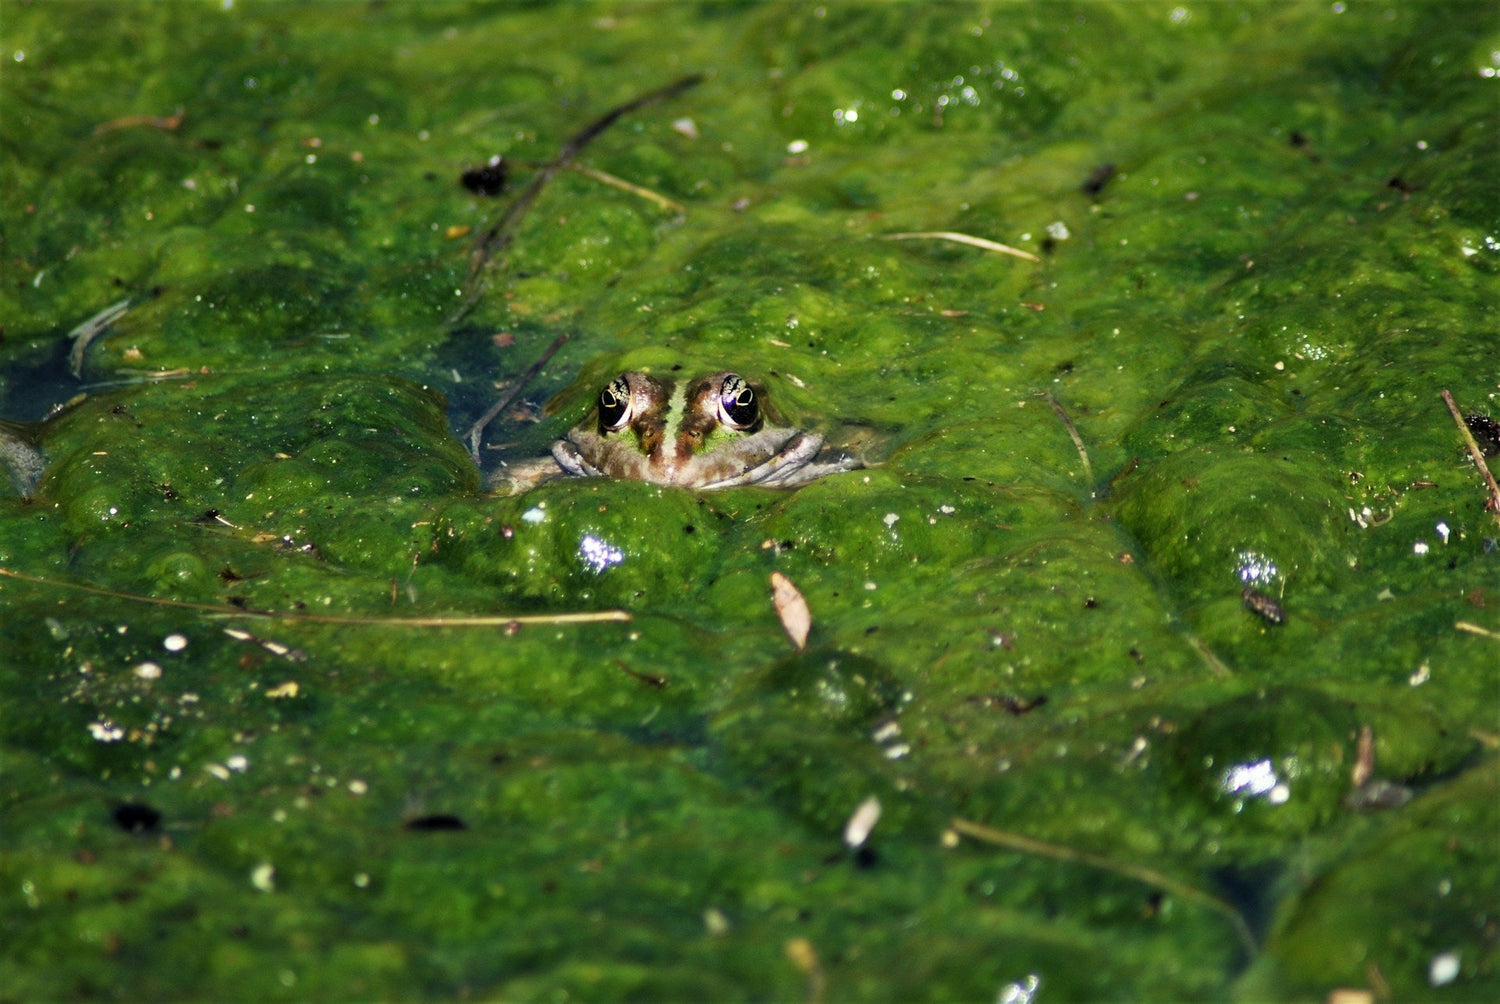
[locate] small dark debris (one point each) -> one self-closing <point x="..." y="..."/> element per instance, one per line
<point x="136" y="817"/>
<point x="1302" y="141"/>
<point x="690" y="528"/>
<point x="168" y="493"/>
<point x="1089" y="603"/>
<point x="1097" y="179"/>
<point x="1400" y="184"/>
<point x="488" y="180"/>
<point x="438" y="821"/>
<point x="1019" y="706"/>
<point x="1486" y="432"/>
<point x="1014" y="705"/>
<point x="1263" y="606"/>
<point x="652" y="680"/>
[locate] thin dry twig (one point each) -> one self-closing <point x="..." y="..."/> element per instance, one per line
<point x="166" y="122"/>
<point x="1493" y="505"/>
<point x="221" y="610"/>
<point x="957" y="238"/>
<point x="137" y="378"/>
<point x="475" y="435"/>
<point x="1149" y="876"/>
<point x="606" y="178"/>
<point x="496" y="620"/>
<point x="1209" y="658"/>
<point x="1364" y="758"/>
<point x="1482" y="632"/>
<point x="498" y="235"/>
<point x="1083" y="453"/>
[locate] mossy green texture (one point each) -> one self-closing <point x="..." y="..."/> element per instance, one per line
<point x="233" y="766"/>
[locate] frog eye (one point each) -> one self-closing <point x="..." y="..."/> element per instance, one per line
<point x="614" y="405"/>
<point x="738" y="407"/>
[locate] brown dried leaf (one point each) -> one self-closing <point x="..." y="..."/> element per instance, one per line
<point x="792" y="609"/>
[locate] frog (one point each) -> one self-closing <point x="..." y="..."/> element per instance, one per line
<point x="707" y="433"/>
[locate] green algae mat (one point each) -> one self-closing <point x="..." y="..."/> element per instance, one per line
<point x="1153" y="655"/>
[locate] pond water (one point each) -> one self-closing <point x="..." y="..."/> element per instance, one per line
<point x="1161" y="626"/>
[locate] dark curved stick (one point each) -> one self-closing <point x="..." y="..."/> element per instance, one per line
<point x="497" y="236"/>
<point x="475" y="435"/>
